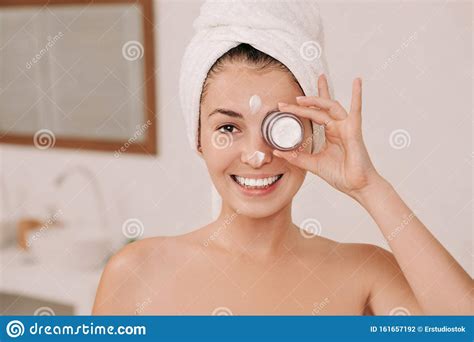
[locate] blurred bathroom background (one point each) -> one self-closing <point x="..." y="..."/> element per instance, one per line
<point x="83" y="172"/>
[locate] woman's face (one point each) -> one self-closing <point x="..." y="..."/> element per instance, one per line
<point x="233" y="146"/>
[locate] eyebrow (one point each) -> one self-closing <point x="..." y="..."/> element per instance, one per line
<point x="233" y="114"/>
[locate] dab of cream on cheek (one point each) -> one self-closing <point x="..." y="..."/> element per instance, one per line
<point x="255" y="103"/>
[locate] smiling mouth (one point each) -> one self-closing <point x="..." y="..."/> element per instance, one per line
<point x="253" y="183"/>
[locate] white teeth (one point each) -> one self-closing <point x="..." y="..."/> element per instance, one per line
<point x="252" y="182"/>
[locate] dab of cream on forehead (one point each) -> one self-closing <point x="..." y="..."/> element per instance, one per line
<point x="255" y="103"/>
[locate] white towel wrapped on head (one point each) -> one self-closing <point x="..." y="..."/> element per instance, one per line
<point x="289" y="31"/>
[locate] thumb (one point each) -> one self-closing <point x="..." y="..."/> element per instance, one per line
<point x="302" y="159"/>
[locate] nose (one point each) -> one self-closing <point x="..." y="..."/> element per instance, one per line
<point x="256" y="151"/>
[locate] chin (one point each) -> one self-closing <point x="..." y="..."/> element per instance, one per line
<point x="257" y="210"/>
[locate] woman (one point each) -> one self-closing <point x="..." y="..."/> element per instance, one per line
<point x="253" y="259"/>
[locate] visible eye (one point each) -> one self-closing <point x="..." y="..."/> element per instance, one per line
<point x="224" y="128"/>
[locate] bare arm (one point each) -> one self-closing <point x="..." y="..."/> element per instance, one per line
<point x="440" y="285"/>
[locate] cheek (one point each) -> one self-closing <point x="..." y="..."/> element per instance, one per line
<point x="219" y="151"/>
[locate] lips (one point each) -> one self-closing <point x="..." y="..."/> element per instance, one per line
<point x="257" y="182"/>
<point x="255" y="191"/>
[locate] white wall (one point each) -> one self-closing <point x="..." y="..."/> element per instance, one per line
<point x="425" y="89"/>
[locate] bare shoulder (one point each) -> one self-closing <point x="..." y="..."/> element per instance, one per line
<point x="368" y="261"/>
<point x="133" y="274"/>
<point x="120" y="282"/>
<point x="389" y="292"/>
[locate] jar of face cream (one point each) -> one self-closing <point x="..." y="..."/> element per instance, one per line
<point x="282" y="130"/>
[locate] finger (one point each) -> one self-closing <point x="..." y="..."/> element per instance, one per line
<point x="316" y="115"/>
<point x="356" y="102"/>
<point x="334" y="108"/>
<point x="323" y="87"/>
<point x="302" y="159"/>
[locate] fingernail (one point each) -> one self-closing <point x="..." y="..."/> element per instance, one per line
<point x="276" y="153"/>
<point x="300" y="97"/>
<point x="282" y="104"/>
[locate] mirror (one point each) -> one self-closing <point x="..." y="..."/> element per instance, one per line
<point x="78" y="74"/>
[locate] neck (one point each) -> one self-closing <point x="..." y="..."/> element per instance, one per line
<point x="259" y="238"/>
